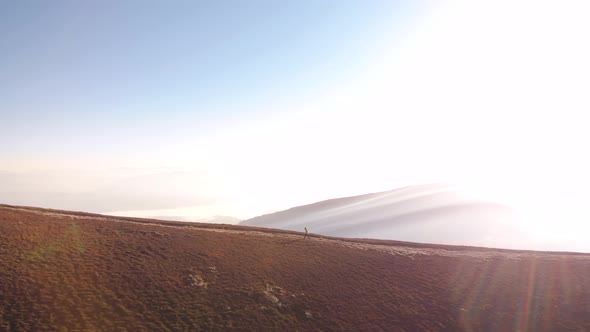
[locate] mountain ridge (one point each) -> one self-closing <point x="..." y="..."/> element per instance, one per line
<point x="426" y="214"/>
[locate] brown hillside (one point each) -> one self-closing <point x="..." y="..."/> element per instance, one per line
<point x="64" y="271"/>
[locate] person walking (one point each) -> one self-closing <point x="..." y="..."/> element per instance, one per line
<point x="306" y="236"/>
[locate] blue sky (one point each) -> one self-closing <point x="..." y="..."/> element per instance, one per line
<point x="74" y="69"/>
<point x="237" y="108"/>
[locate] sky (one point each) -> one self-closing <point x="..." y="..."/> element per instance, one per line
<point x="198" y="109"/>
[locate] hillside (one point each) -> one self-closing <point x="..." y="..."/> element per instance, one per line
<point x="66" y="271"/>
<point x="426" y="213"/>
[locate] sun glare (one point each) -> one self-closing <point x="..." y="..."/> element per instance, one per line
<point x="553" y="218"/>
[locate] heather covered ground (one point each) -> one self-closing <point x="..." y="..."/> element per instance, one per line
<point x="66" y="271"/>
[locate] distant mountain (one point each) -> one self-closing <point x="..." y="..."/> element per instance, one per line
<point x="210" y="220"/>
<point x="426" y="213"/>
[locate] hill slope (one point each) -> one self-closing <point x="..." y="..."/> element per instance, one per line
<point x="427" y="213"/>
<point x="74" y="271"/>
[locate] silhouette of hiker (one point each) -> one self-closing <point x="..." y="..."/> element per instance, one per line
<point x="306" y="236"/>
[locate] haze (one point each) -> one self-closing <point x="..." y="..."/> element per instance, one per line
<point x="214" y="110"/>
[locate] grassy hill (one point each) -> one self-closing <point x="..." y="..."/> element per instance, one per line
<point x="66" y="271"/>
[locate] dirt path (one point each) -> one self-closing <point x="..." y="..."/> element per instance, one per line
<point x="389" y="249"/>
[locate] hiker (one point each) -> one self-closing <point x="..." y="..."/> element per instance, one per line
<point x="306" y="236"/>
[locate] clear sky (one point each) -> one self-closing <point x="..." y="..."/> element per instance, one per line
<point x="238" y="108"/>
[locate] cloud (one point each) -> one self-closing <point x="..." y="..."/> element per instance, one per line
<point x="102" y="191"/>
